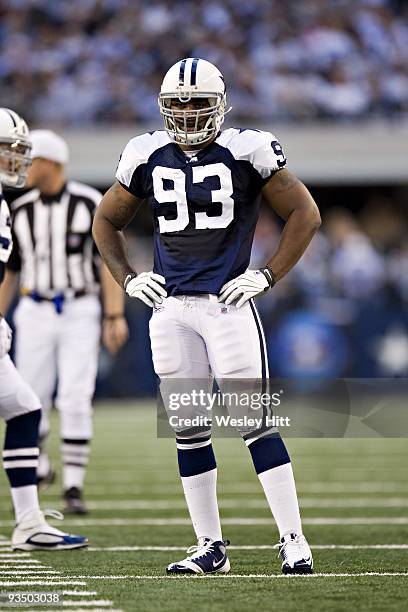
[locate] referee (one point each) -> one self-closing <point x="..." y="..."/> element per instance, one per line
<point x="55" y="264"/>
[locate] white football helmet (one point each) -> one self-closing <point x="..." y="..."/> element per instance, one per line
<point x="189" y="79"/>
<point x="15" y="147"/>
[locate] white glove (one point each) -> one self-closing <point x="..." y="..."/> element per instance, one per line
<point x="5" y="232"/>
<point x="146" y="286"/>
<point x="246" y="286"/>
<point x="5" y="337"/>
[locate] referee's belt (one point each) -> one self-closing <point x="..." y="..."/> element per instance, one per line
<point x="58" y="299"/>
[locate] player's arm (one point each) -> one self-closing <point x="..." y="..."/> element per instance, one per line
<point x="292" y="201"/>
<point x="114" y="213"/>
<point x="114" y="329"/>
<point x="8" y="288"/>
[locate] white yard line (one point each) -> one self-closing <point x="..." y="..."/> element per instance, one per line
<point x="305" y="502"/>
<point x="87" y="603"/>
<point x="33" y="568"/>
<point x="80" y="593"/>
<point x="251" y="547"/>
<point x="239" y="503"/>
<point x="31" y="562"/>
<point x="42" y="583"/>
<point x="104" y="577"/>
<point x="32" y="573"/>
<point x="344" y="487"/>
<point x="348" y="488"/>
<point x="225" y="576"/>
<point x="20" y="569"/>
<point x="166" y="522"/>
<point x="84" y="609"/>
<point x="15" y="555"/>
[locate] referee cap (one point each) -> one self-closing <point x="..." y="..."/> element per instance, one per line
<point x="49" y="145"/>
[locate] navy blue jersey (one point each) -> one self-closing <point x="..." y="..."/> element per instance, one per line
<point x="5" y="235"/>
<point x="205" y="207"/>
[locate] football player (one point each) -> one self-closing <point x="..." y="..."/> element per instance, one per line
<point x="58" y="317"/>
<point x="205" y="186"/>
<point x="19" y="406"/>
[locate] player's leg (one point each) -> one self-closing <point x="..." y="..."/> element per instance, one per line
<point x="78" y="349"/>
<point x="36" y="362"/>
<point x="180" y="360"/>
<point x="236" y="349"/>
<point x="22" y="412"/>
<point x="20" y="408"/>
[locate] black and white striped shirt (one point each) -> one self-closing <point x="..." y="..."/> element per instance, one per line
<point x="52" y="241"/>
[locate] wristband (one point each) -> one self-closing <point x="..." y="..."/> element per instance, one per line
<point x="128" y="279"/>
<point x="267" y="272"/>
<point x="113" y="317"/>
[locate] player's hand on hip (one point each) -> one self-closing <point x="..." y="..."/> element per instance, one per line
<point x="5" y="337"/>
<point x="115" y="333"/>
<point x="148" y="287"/>
<point x="246" y="286"/>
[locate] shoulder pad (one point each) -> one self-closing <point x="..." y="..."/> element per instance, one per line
<point x="137" y="152"/>
<point x="261" y="149"/>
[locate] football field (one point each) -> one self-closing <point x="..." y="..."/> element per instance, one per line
<point x="354" y="501"/>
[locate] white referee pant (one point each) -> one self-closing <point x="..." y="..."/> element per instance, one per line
<point x="195" y="338"/>
<point x="16" y="397"/>
<point x="60" y="351"/>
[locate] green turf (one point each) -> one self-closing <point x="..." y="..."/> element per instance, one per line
<point x="336" y="479"/>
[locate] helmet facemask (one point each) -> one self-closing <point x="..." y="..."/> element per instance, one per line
<point x="15" y="161"/>
<point x="195" y="126"/>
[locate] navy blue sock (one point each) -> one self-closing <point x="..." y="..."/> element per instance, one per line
<point x="195" y="456"/>
<point x="268" y="453"/>
<point x="20" y="454"/>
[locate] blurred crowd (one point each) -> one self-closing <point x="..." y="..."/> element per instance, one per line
<point x="343" y="309"/>
<point x="93" y="61"/>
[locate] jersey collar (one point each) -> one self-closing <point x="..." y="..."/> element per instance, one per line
<point x="54" y="198"/>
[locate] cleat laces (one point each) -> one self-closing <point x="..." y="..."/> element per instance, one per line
<point x="290" y="551"/>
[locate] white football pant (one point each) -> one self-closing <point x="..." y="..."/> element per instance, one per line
<point x="195" y="337"/>
<point x="64" y="347"/>
<point x="16" y="397"/>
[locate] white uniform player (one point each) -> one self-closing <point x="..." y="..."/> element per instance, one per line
<point x="19" y="406"/>
<point x="205" y="186"/>
<point x="58" y="318"/>
<point x="16" y="397"/>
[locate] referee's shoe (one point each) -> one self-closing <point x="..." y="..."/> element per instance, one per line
<point x="74" y="502"/>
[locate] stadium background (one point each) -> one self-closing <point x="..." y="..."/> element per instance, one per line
<point x="329" y="78"/>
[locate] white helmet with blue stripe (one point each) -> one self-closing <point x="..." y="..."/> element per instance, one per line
<point x="15" y="147"/>
<point x="200" y="86"/>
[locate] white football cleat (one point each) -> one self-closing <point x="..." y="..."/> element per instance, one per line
<point x="34" y="533"/>
<point x="207" y="557"/>
<point x="295" y="554"/>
